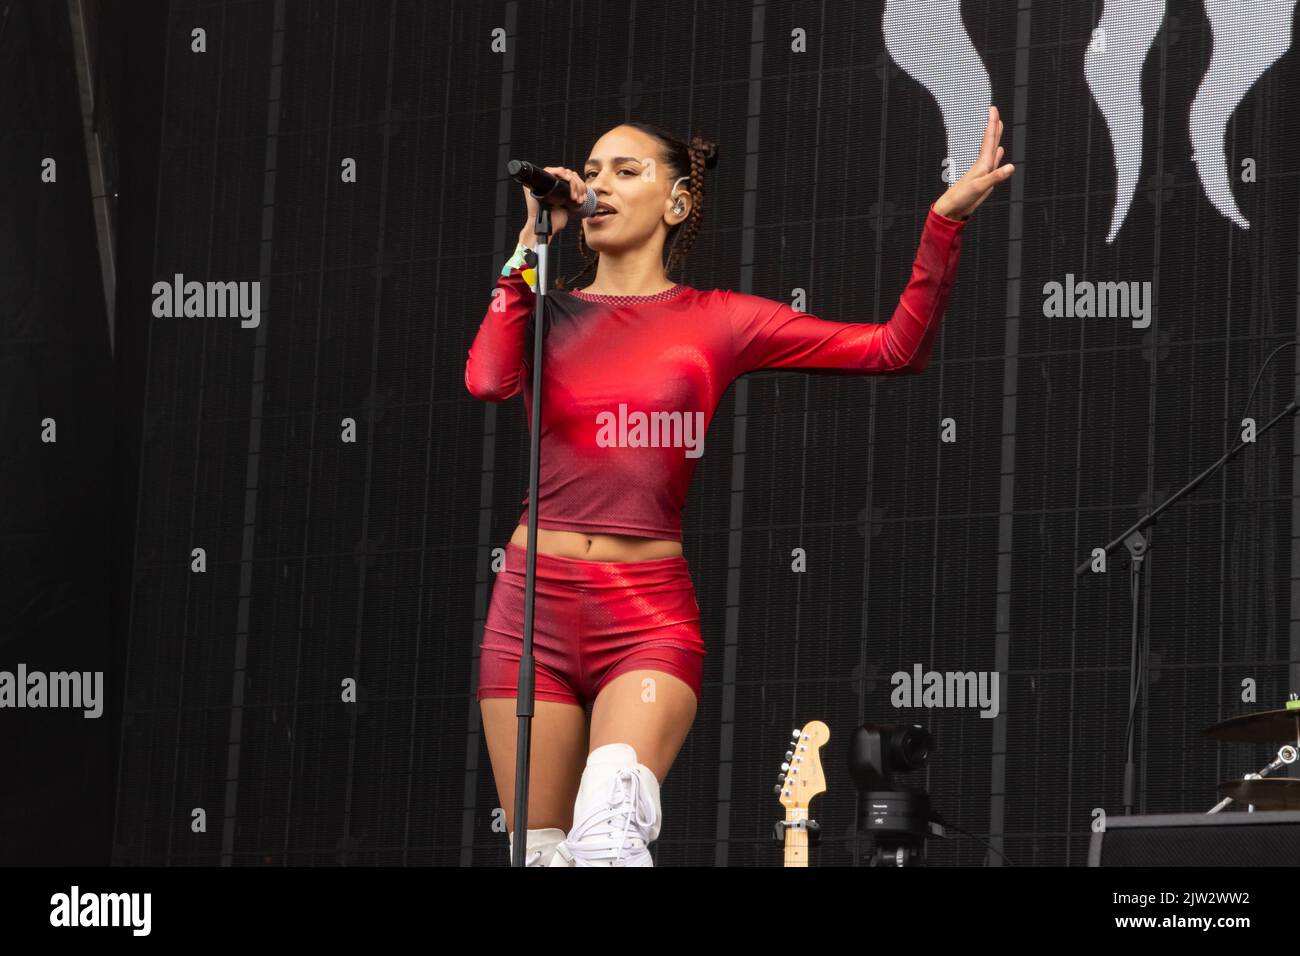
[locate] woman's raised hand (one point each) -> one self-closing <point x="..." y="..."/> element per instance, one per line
<point x="965" y="195"/>
<point x="559" y="214"/>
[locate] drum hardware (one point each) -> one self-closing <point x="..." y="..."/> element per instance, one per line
<point x="1268" y="726"/>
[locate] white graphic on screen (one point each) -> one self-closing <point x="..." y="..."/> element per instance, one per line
<point x="929" y="41"/>
<point x="1249" y="37"/>
<point x="1114" y="75"/>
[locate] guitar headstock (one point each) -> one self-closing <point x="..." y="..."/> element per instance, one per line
<point x="801" y="772"/>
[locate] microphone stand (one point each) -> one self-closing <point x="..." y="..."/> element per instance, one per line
<point x="1137" y="548"/>
<point x="525" y="697"/>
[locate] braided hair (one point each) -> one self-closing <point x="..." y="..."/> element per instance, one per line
<point x="680" y="159"/>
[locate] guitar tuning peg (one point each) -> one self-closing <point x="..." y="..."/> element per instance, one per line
<point x="781" y="777"/>
<point x="776" y="788"/>
<point x="789" y="754"/>
<point x="794" y="734"/>
<point x="785" y="766"/>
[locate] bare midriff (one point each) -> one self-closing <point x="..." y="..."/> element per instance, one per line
<point x="597" y="547"/>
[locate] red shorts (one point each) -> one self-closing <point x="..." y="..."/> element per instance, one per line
<point x="592" y="620"/>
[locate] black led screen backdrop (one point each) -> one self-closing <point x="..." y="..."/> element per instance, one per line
<point x="1114" y="303"/>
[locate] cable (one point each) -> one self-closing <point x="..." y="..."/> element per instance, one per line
<point x="938" y="818"/>
<point x="1261" y="375"/>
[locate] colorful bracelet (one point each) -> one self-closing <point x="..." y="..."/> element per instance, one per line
<point x="524" y="259"/>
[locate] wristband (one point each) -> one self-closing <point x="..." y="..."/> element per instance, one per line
<point x="524" y="259"/>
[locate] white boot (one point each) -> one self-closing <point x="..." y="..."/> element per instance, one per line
<point x="617" y="813"/>
<point x="563" y="856"/>
<point x="541" y="846"/>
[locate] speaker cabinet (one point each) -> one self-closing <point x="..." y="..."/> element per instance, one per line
<point x="1229" y="838"/>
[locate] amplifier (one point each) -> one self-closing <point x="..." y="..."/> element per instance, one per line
<point x="1228" y="838"/>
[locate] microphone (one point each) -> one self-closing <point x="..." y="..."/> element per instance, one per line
<point x="549" y="188"/>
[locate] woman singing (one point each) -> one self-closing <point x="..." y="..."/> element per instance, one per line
<point x="635" y="367"/>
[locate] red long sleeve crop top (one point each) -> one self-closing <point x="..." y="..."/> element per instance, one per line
<point x="632" y="382"/>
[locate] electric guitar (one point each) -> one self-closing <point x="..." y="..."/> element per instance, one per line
<point x="801" y="779"/>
